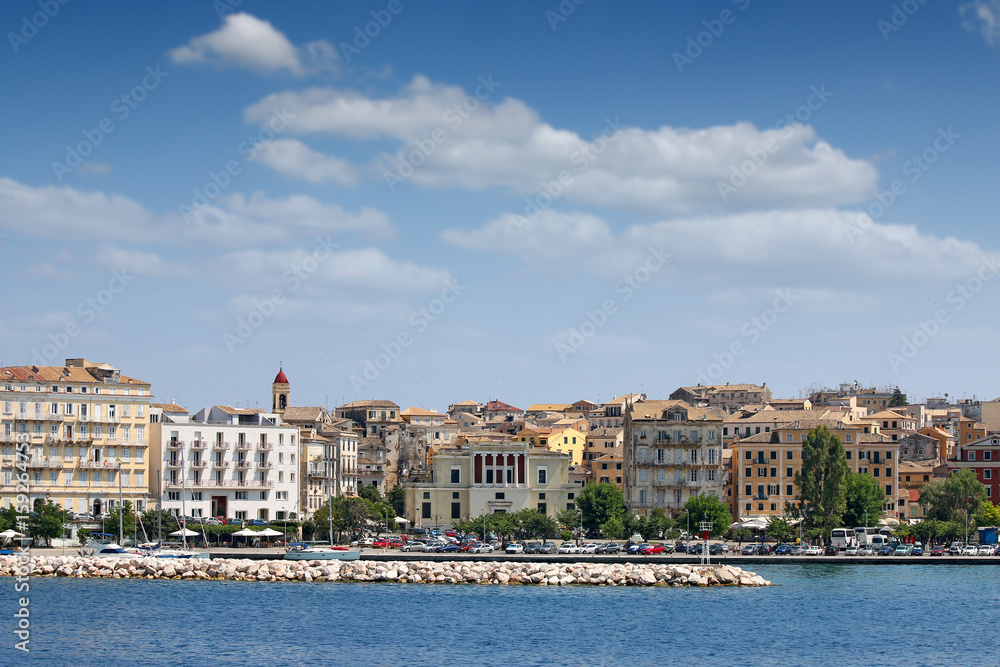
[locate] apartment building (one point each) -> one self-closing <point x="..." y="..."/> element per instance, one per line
<point x="982" y="457"/>
<point x="224" y="461"/>
<point x="86" y="428"/>
<point x="728" y="397"/>
<point x="672" y="451"/>
<point x="764" y="465"/>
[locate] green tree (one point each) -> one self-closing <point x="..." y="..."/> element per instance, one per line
<point x="613" y="529"/>
<point x="128" y="520"/>
<point x="898" y="399"/>
<point x="707" y="507"/>
<point x="568" y="519"/>
<point x="863" y="494"/>
<point x="742" y="535"/>
<point x="662" y="524"/>
<point x="952" y="498"/>
<point x="538" y="524"/>
<point x="370" y="493"/>
<point x="822" y="481"/>
<point x="397" y="498"/>
<point x="45" y="522"/>
<point x="988" y="515"/>
<point x="779" y="528"/>
<point x="167" y="523"/>
<point x="600" y="503"/>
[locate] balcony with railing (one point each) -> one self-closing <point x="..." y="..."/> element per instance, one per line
<point x="221" y="446"/>
<point x="36" y="462"/>
<point x="199" y="444"/>
<point x="243" y="446"/>
<point x="315" y="471"/>
<point x="263" y="465"/>
<point x="173" y="463"/>
<point x="244" y="464"/>
<point x="175" y="444"/>
<point x="201" y="464"/>
<point x="264" y="446"/>
<point x="100" y="465"/>
<point x="218" y="463"/>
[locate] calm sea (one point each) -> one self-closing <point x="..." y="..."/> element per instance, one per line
<point x="816" y="614"/>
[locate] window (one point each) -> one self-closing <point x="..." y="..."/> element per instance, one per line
<point x="788" y="472"/>
<point x="425" y="510"/>
<point x="748" y="456"/>
<point x="748" y="472"/>
<point x="788" y="490"/>
<point x="774" y="455"/>
<point x="500" y="495"/>
<point x="427" y="495"/>
<point x="241" y="495"/>
<point x="986" y="455"/>
<point x="987" y="473"/>
<point x="173" y="495"/>
<point x="456" y="475"/>
<point x="542" y="508"/>
<point x="774" y="472"/>
<point x="847" y="455"/>
<point x="970" y="456"/>
<point x="543" y="475"/>
<point x="454" y="495"/>
<point x="196" y="495"/>
<point x="456" y="510"/>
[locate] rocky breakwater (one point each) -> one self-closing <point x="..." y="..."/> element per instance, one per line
<point x="450" y="572"/>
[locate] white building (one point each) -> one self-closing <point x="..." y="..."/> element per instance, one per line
<point x="223" y="461"/>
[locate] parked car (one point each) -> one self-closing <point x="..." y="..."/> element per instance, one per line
<point x="515" y="548"/>
<point x="612" y="548"/>
<point x="234" y="522"/>
<point x="432" y="546"/>
<point x="636" y="548"/>
<point x="851" y="550"/>
<point x="681" y="547"/>
<point x="866" y="550"/>
<point x="380" y="543"/>
<point x="917" y="550"/>
<point x="903" y="550"/>
<point x="956" y="548"/>
<point x="937" y="551"/>
<point x="589" y="548"/>
<point x="696" y="549"/>
<point x="482" y="549"/>
<point x="567" y="548"/>
<point x="212" y="521"/>
<point x="812" y="551"/>
<point x="831" y="550"/>
<point x="256" y="522"/>
<point x="447" y="548"/>
<point x="985" y="550"/>
<point x="548" y="548"/>
<point x="765" y="550"/>
<point x="797" y="550"/>
<point x="651" y="549"/>
<point x="749" y="550"/>
<point x="533" y="548"/>
<point x="414" y="545"/>
<point x="467" y="546"/>
<point x="783" y="549"/>
<point x="887" y="550"/>
<point x="717" y="549"/>
<point x="366" y="542"/>
<point x="996" y="550"/>
<point x="969" y="550"/>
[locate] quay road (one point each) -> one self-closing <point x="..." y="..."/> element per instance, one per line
<point x="273" y="553"/>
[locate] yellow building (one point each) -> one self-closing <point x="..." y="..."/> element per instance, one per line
<point x="569" y="441"/>
<point x="84" y="429"/>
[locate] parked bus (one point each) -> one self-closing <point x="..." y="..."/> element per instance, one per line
<point x="843" y="538"/>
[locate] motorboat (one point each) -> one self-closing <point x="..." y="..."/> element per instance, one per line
<point x="102" y="546"/>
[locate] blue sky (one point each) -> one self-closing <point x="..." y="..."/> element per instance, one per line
<point x="536" y="202"/>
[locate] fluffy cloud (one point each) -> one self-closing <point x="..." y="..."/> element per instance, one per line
<point x="450" y="137"/>
<point x="809" y="247"/>
<point x="983" y="16"/>
<point x="296" y="160"/>
<point x="247" y="42"/>
<point x="68" y="213"/>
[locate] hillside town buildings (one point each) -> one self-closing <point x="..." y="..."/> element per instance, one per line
<point x="88" y="427"/>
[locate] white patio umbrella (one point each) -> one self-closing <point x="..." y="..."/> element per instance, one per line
<point x="9" y="533"/>
<point x="267" y="532"/>
<point x="246" y="532"/>
<point x="185" y="532"/>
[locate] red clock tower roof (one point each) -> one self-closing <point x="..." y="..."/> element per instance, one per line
<point x="280" y="377"/>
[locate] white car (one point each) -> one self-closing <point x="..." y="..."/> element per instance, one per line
<point x="481" y="549"/>
<point x="567" y="548"/>
<point x="587" y="549"/>
<point x="985" y="550"/>
<point x="813" y="551"/>
<point x="851" y="551"/>
<point x="515" y="548"/>
<point x="969" y="551"/>
<point x="414" y="545"/>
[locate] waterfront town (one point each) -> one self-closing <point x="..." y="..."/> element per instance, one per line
<point x="97" y="435"/>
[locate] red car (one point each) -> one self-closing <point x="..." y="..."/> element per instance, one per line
<point x="380" y="543"/>
<point x="468" y="545"/>
<point x="395" y="543"/>
<point x="652" y="549"/>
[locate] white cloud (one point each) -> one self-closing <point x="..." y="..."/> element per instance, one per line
<point x="247" y="42"/>
<point x="808" y="248"/>
<point x="114" y="258"/>
<point x="486" y="142"/>
<point x="982" y="16"/>
<point x="296" y="160"/>
<point x="94" y="169"/>
<point x="68" y="213"/>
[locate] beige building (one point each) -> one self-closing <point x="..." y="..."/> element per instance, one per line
<point x="764" y="465"/>
<point x="672" y="451"/>
<point x="488" y="475"/>
<point x="85" y="427"/>
<point x="728" y="397"/>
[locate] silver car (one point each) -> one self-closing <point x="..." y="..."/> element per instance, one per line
<point x="413" y="545"/>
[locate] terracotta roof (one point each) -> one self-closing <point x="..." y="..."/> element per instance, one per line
<point x="370" y="403"/>
<point x="547" y="407"/>
<point x="171" y="407"/>
<point x="467" y="403"/>
<point x="239" y="411"/>
<point x="653" y="410"/>
<point x="414" y="410"/>
<point x="500" y="406"/>
<point x="60" y="374"/>
<point x="303" y="414"/>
